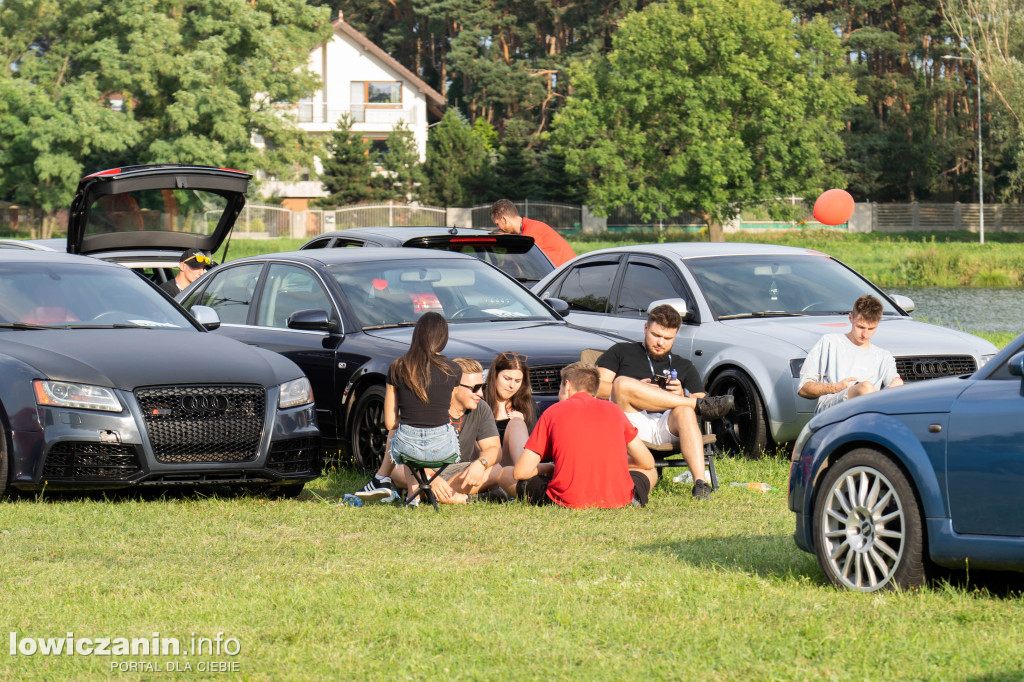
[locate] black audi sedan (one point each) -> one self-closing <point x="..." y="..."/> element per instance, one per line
<point x="515" y="254"/>
<point x="106" y="383"/>
<point x="344" y="314"/>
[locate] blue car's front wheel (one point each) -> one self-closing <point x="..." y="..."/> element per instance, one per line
<point x="867" y="524"/>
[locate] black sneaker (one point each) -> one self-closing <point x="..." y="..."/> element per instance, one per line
<point x="701" y="490"/>
<point x="377" y="489"/>
<point x="495" y="494"/>
<point x="715" y="406"/>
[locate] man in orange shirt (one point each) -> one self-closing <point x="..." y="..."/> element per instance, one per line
<point x="506" y="218"/>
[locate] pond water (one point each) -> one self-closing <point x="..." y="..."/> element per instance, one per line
<point x="975" y="310"/>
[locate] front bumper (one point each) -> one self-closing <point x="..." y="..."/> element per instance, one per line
<point x="87" y="449"/>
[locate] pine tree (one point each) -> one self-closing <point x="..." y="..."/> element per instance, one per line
<point x="348" y="169"/>
<point x="401" y="176"/>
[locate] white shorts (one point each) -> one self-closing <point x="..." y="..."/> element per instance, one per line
<point x="828" y="400"/>
<point x="652" y="426"/>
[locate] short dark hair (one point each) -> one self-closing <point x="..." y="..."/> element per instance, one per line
<point x="666" y="316"/>
<point x="503" y="208"/>
<point x="582" y="376"/>
<point x="867" y="308"/>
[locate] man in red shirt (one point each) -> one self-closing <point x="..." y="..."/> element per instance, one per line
<point x="583" y="451"/>
<point x="506" y="218"/>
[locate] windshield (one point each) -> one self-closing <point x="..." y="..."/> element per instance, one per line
<point x="741" y="286"/>
<point x="398" y="292"/>
<point x="175" y="210"/>
<point x="80" y="295"/>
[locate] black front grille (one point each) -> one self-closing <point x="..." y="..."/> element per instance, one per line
<point x="296" y="456"/>
<point x="546" y="380"/>
<point x="921" y="367"/>
<point x="203" y="423"/>
<point x="90" y="461"/>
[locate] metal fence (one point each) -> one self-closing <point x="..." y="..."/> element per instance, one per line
<point x="562" y="217"/>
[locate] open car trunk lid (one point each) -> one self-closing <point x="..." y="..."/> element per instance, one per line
<point x="164" y="206"/>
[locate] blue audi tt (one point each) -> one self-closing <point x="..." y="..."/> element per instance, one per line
<point x="932" y="473"/>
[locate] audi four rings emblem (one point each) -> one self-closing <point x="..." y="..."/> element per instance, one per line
<point x="204" y="403"/>
<point x="924" y="368"/>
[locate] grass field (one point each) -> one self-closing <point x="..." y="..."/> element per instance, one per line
<point x="312" y="589"/>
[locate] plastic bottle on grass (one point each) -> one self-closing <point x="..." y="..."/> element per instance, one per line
<point x="351" y="500"/>
<point x="761" y="487"/>
<point x="685" y="477"/>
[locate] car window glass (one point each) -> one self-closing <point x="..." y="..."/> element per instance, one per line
<point x="587" y="286"/>
<point x="529" y="266"/>
<point x="195" y="211"/>
<point x="289" y="289"/>
<point x="398" y="292"/>
<point x="643" y="283"/>
<point x="231" y="291"/>
<point x="800" y="284"/>
<point x="317" y="244"/>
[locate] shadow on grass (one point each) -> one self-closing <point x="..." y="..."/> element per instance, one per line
<point x="181" y="493"/>
<point x="773" y="557"/>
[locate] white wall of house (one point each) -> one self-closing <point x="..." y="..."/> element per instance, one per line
<point x="370" y="87"/>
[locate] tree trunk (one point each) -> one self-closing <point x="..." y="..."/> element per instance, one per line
<point x="716" y="232"/>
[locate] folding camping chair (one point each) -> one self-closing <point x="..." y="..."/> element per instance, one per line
<point x="418" y="470"/>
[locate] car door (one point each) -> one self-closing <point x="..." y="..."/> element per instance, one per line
<point x="646" y="279"/>
<point x="985" y="458"/>
<point x="587" y="287"/>
<point x="286" y="289"/>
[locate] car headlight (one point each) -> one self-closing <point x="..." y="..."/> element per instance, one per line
<point x="80" y="396"/>
<point x="985" y="359"/>
<point x="295" y="393"/>
<point x="801" y="441"/>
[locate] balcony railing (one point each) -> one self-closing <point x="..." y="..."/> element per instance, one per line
<point x="327" y="112"/>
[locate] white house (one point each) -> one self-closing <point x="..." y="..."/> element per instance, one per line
<point x="359" y="78"/>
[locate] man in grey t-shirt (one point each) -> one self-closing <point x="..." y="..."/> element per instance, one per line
<point x="844" y="366"/>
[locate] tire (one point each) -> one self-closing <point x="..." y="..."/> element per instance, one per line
<point x="867" y="525"/>
<point x="745" y="429"/>
<point x="367" y="434"/>
<point x="5" y="467"/>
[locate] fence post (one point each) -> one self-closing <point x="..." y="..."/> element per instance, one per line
<point x="391" y="214"/>
<point x="526" y="209"/>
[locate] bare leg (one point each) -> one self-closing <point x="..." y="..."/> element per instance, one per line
<point x="861" y="388"/>
<point x="387" y="465"/>
<point x="516" y="435"/>
<point x="633" y="395"/>
<point x="682" y="422"/>
<point x="458" y="482"/>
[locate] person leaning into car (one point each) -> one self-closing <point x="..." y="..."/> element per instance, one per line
<point x="844" y="366"/>
<point x="633" y="376"/>
<point x="506" y="218"/>
<point x="194" y="263"/>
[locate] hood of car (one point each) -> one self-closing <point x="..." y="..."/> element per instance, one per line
<point x="924" y="397"/>
<point x="544" y="343"/>
<point x="164" y="206"/>
<point x="899" y="336"/>
<point x="128" y="358"/>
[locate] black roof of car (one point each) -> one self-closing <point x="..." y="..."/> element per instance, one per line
<point x="335" y="256"/>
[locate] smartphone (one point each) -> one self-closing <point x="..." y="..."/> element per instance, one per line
<point x="661" y="380"/>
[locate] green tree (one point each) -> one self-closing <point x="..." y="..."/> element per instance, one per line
<point x="458" y="161"/>
<point x="198" y="82"/>
<point x="347" y="169"/>
<point x="401" y="175"/>
<point x="516" y="167"/>
<point x="707" y="106"/>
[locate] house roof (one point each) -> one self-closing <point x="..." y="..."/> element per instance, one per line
<point x="435" y="100"/>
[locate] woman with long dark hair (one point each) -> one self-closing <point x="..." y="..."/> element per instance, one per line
<point x="418" y="395"/>
<point x="509" y="394"/>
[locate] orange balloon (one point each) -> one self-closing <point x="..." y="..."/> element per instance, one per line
<point x="833" y="207"/>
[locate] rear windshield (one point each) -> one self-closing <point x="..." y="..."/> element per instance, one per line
<point x="176" y="210"/>
<point x="530" y="266"/>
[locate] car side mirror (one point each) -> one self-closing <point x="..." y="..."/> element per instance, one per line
<point x="680" y="304"/>
<point x="206" y="316"/>
<point x="1016" y="367"/>
<point x="560" y="307"/>
<point x="904" y="302"/>
<point x="312" y="321"/>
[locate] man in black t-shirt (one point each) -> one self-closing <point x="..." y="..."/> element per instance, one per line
<point x="477" y="469"/>
<point x="636" y="377"/>
<point x="194" y="263"/>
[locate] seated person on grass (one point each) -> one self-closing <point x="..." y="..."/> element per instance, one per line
<point x="629" y="372"/>
<point x="844" y="366"/>
<point x="583" y="451"/>
<point x="477" y="469"/>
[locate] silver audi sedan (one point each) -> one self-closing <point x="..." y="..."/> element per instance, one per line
<point x="751" y="313"/>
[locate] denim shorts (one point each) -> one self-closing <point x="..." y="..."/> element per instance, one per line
<point x="435" y="444"/>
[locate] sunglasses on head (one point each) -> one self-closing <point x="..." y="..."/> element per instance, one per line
<point x="475" y="388"/>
